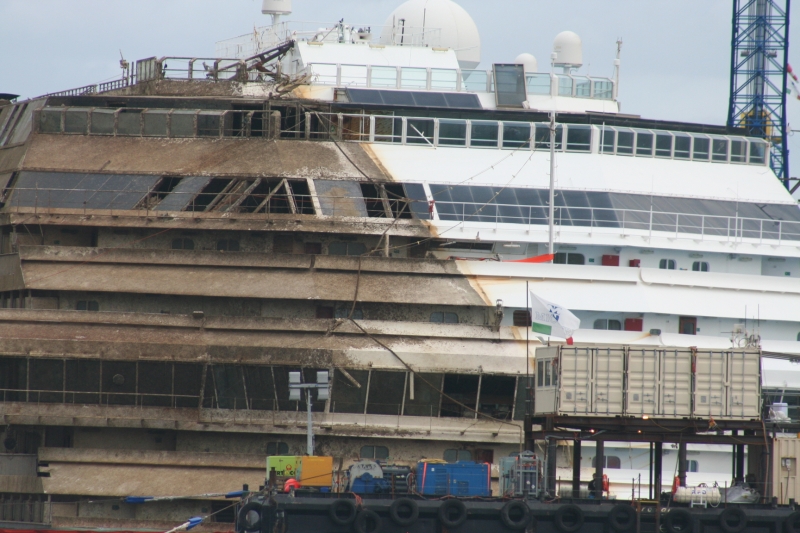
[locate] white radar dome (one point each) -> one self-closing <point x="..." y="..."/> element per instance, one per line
<point x="440" y="23"/>
<point x="276" y="7"/>
<point x="528" y="61"/>
<point x="568" y="49"/>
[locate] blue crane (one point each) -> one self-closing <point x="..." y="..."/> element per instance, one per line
<point x="759" y="69"/>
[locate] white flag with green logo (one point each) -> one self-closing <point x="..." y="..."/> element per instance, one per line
<point x="548" y="318"/>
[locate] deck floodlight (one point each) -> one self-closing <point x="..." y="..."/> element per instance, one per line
<point x="294" y="378"/>
<point x="322" y="394"/>
<point x="322" y="377"/>
<point x="296" y="388"/>
<point x="294" y="395"/>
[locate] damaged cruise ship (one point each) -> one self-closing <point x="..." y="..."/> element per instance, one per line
<point x="358" y="200"/>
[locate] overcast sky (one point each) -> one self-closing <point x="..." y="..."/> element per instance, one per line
<point x="675" y="57"/>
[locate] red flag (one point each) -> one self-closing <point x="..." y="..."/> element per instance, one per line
<point x="544" y="258"/>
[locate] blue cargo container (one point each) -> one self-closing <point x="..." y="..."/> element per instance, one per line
<point x="466" y="478"/>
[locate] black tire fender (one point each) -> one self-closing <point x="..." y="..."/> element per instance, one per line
<point x="367" y="521"/>
<point x="622" y="517"/>
<point x="242" y="517"/>
<point x="566" y="511"/>
<point x="452" y="513"/>
<point x="510" y="512"/>
<point x="792" y="523"/>
<point x="739" y="520"/>
<point x="676" y="518"/>
<point x="342" y="511"/>
<point x="404" y="511"/>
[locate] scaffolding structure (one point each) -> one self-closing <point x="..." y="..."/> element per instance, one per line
<point x="759" y="61"/>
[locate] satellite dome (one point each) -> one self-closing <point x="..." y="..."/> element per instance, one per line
<point x="416" y="21"/>
<point x="528" y="61"/>
<point x="568" y="49"/>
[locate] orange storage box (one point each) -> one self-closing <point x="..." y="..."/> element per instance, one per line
<point x="315" y="471"/>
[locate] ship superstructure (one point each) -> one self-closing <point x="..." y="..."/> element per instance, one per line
<point x="340" y="198"/>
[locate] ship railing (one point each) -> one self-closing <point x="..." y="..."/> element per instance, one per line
<point x="728" y="228"/>
<point x="103" y="398"/>
<point x="343" y="75"/>
<point x="26" y="508"/>
<point x="274" y="198"/>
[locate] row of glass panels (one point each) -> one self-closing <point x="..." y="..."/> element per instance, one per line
<point x="430" y="131"/>
<point x="455" y="80"/>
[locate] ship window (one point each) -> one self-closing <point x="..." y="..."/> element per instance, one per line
<point x="208" y="123"/>
<point x="667" y="264"/>
<point x="522" y="318"/>
<point x="349" y="391"/>
<point x="700" y="149"/>
<point x="510" y="85"/>
<point x="719" y="150"/>
<point x="444" y="78"/>
<point x="624" y="142"/>
<point x="757" y="152"/>
<point x="50" y="120"/>
<point x="46" y="380"/>
<point x="182" y="243"/>
<point x="543" y="136"/>
<point x="380" y="77"/>
<point x="413" y="99"/>
<point x="687" y="325"/>
<point x="129" y="122"/>
<point x="607" y="140"/>
<point x="516" y="135"/>
<point x="664" y="145"/>
<point x="608" y="324"/>
<point x="312" y="248"/>
<point x="644" y="143"/>
<point x="464" y="390"/>
<point x="420" y="131"/>
<point x="700" y="266"/>
<point x="413" y="78"/>
<point x="260" y="386"/>
<point x="324" y="311"/>
<point x="386" y="392"/>
<point x="579" y="138"/>
<point x="87" y="305"/>
<point x="564" y="86"/>
<point x="484" y="133"/>
<point x="453" y="132"/>
<point x="497" y="396"/>
<point x="583" y="87"/>
<point x="691" y="465"/>
<point x="374" y="452"/>
<point x="155" y="123"/>
<point x="441" y="317"/>
<point x="564" y="258"/>
<point x="347" y="248"/>
<point x="603" y="89"/>
<point x="611" y="461"/>
<point x="182" y="123"/>
<point x="538" y="83"/>
<point x="426" y="395"/>
<point x="683" y="144"/>
<point x="452" y="455"/>
<point x="228" y="245"/>
<point x="76" y="121"/>
<point x="277" y="448"/>
<point x="103" y="122"/>
<point x="738" y="154"/>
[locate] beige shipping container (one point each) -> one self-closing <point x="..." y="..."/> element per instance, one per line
<point x="711" y="384"/>
<point x="785" y="483"/>
<point x="644" y="387"/>
<point x="675" y="377"/>
<point x="744" y="391"/>
<point x="607" y="381"/>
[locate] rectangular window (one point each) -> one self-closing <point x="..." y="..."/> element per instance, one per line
<point x="579" y="138"/>
<point x="683" y="145"/>
<point x="543" y="136"/>
<point x="625" y="142"/>
<point x="452" y="132"/>
<point x="700" y="266"/>
<point x="644" y="144"/>
<point x="564" y="86"/>
<point x="687" y="325"/>
<point x="540" y="374"/>
<point x="700" y="149"/>
<point x="484" y="133"/>
<point x="426" y="395"/>
<point x="664" y="145"/>
<point x="738" y="154"/>
<point x="385" y="392"/>
<point x="538" y="83"/>
<point x="349" y="391"/>
<point x="522" y="318"/>
<point x="515" y="135"/>
<point x="497" y="396"/>
<point x="607" y="140"/>
<point x="463" y="389"/>
<point x="510" y="85"/>
<point x="719" y="150"/>
<point x="758" y="152"/>
<point x="667" y="264"/>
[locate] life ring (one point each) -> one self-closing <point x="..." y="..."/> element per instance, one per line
<point x="515" y="514"/>
<point x="247" y="520"/>
<point x="792" y="523"/>
<point x="568" y="518"/>
<point x="605" y="483"/>
<point x="404" y="511"/>
<point x="678" y="521"/>
<point x="732" y="520"/>
<point x="367" y="521"/>
<point x="342" y="512"/>
<point x="452" y="513"/>
<point x="622" y="517"/>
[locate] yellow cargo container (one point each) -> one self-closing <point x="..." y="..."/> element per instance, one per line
<point x="315" y="471"/>
<point x="284" y="465"/>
